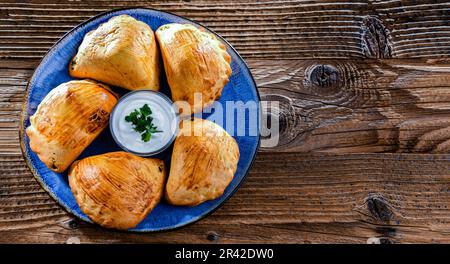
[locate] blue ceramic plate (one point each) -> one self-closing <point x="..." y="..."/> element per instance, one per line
<point x="53" y="70"/>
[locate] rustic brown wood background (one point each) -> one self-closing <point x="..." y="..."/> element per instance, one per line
<point x="364" y="88"/>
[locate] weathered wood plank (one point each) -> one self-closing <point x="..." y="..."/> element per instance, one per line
<point x="359" y="106"/>
<point x="263" y="29"/>
<point x="340" y="106"/>
<point x="288" y="198"/>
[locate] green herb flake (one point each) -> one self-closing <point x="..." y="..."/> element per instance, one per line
<point x="142" y="122"/>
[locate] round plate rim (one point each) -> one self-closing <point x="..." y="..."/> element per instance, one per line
<point x="54" y="197"/>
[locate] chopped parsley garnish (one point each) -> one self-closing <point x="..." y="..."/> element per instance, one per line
<point x="142" y="122"/>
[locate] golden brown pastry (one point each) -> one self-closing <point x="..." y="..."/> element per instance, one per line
<point x="69" y="118"/>
<point x="204" y="161"/>
<point x="117" y="189"/>
<point x="121" y="52"/>
<point x="195" y="62"/>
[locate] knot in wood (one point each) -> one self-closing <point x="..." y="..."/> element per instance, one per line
<point x="73" y="224"/>
<point x="212" y="236"/>
<point x="375" y="38"/>
<point x="379" y="208"/>
<point x="324" y="76"/>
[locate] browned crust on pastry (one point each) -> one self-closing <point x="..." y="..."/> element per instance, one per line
<point x="121" y="52"/>
<point x="203" y="164"/>
<point x="195" y="61"/>
<point x="118" y="189"/>
<point x="67" y="120"/>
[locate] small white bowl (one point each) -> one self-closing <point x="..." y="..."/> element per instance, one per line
<point x="164" y="116"/>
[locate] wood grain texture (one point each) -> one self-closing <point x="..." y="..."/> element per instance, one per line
<point x="351" y="106"/>
<point x="262" y="29"/>
<point x="287" y="198"/>
<point x="364" y="100"/>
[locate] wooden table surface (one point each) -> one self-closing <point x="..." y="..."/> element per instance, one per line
<point x="364" y="91"/>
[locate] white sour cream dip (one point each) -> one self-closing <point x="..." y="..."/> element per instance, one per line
<point x="164" y="118"/>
